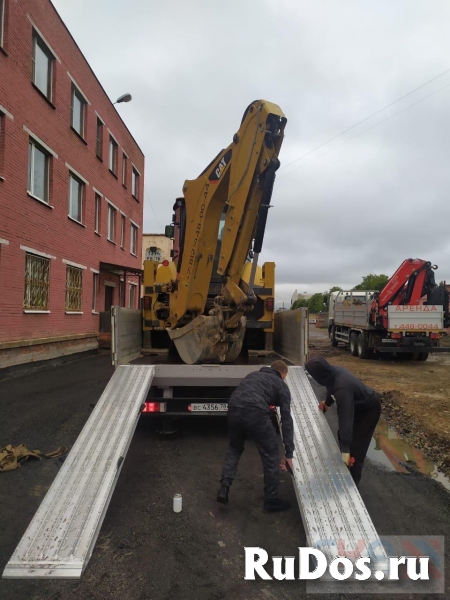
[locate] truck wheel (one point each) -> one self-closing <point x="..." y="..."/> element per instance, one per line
<point x="333" y="339"/>
<point x="354" y="343"/>
<point x="363" y="347"/>
<point x="423" y="356"/>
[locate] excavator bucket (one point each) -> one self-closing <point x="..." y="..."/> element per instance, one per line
<point x="201" y="341"/>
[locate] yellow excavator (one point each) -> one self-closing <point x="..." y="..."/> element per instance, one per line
<point x="207" y="294"/>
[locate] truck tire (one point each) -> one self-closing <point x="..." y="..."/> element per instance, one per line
<point x="333" y="339"/>
<point x="354" y="343"/>
<point x="363" y="347"/>
<point x="423" y="356"/>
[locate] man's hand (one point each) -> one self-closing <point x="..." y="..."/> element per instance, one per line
<point x="323" y="407"/>
<point x="285" y="463"/>
<point x="347" y="459"/>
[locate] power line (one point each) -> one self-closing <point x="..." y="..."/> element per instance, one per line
<point x="365" y="130"/>
<point x="367" y="118"/>
<point x="153" y="211"/>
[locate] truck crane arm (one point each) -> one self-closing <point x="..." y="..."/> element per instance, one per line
<point x="413" y="279"/>
<point x="234" y="191"/>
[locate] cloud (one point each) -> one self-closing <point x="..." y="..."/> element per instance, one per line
<point x="354" y="206"/>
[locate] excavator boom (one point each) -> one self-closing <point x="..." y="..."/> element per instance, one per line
<point x="219" y="216"/>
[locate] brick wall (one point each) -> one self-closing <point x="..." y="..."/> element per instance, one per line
<point x="26" y="222"/>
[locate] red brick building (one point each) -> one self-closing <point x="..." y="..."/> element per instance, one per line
<point x="71" y="192"/>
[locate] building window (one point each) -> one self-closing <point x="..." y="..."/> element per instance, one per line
<point x="111" y="223"/>
<point x="76" y="188"/>
<point x="95" y="278"/>
<point x="99" y="141"/>
<point x="98" y="202"/>
<point x="2" y="20"/>
<point x="122" y="231"/>
<point x="38" y="171"/>
<point x="113" y="155"/>
<point x="135" y="183"/>
<point x="78" y="110"/>
<point x="133" y="244"/>
<point x="124" y="169"/>
<point x="42" y="71"/>
<point x="132" y="298"/>
<point x="74" y="289"/>
<point x="37" y="282"/>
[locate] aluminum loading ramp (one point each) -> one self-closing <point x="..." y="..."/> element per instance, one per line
<point x="60" y="539"/>
<point x="333" y="513"/>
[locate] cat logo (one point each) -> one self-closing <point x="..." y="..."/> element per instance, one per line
<point x="220" y="167"/>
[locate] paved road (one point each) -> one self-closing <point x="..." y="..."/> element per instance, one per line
<point x="144" y="550"/>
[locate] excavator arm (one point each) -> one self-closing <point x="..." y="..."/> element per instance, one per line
<point x="221" y="213"/>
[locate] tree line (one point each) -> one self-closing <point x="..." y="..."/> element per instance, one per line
<point x="319" y="302"/>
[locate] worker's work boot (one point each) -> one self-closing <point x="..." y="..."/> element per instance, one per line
<point x="275" y="505"/>
<point x="222" y="494"/>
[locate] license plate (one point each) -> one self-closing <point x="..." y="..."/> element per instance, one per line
<point x="215" y="407"/>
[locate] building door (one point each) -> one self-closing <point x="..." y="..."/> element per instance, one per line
<point x="109" y="297"/>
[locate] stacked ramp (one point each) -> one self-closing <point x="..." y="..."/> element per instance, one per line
<point x="59" y="540"/>
<point x="334" y="516"/>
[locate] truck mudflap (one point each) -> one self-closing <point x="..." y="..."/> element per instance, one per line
<point x="60" y="538"/>
<point x="335" y="518"/>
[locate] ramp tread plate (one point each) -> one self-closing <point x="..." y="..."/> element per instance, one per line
<point x="60" y="538"/>
<point x="334" y="515"/>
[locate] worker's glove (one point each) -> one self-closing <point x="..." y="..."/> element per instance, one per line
<point x="347" y="459"/>
<point x="323" y="407"/>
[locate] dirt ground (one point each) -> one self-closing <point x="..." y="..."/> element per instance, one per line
<point x="145" y="551"/>
<point x="415" y="395"/>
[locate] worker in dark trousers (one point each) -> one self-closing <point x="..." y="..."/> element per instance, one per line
<point x="358" y="409"/>
<point x="249" y="413"/>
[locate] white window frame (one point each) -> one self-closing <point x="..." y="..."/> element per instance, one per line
<point x="133" y="286"/>
<point x="135" y="179"/>
<point x="97" y="212"/>
<point x="111" y="210"/>
<point x="122" y="230"/>
<point x="72" y="175"/>
<point x="30" y="184"/>
<point x="115" y="154"/>
<point x="83" y="102"/>
<point x="133" y="238"/>
<point x="50" y="55"/>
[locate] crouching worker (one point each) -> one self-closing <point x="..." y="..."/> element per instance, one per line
<point x="358" y="409"/>
<point x="249" y="413"/>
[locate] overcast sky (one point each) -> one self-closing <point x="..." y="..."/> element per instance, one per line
<point x="352" y="207"/>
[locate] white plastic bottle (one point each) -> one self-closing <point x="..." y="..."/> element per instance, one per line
<point x="177" y="503"/>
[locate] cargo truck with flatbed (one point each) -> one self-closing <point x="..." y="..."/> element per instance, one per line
<point x="407" y="317"/>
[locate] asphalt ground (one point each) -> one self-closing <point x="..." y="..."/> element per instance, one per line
<point x="145" y="550"/>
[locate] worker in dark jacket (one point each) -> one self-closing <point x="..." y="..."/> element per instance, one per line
<point x="358" y="409"/>
<point x="249" y="413"/>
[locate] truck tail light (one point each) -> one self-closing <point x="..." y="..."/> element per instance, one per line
<point x="147" y="303"/>
<point x="270" y="304"/>
<point x="154" y="407"/>
<point x="397" y="336"/>
<point x="272" y="407"/>
<point x="435" y="336"/>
